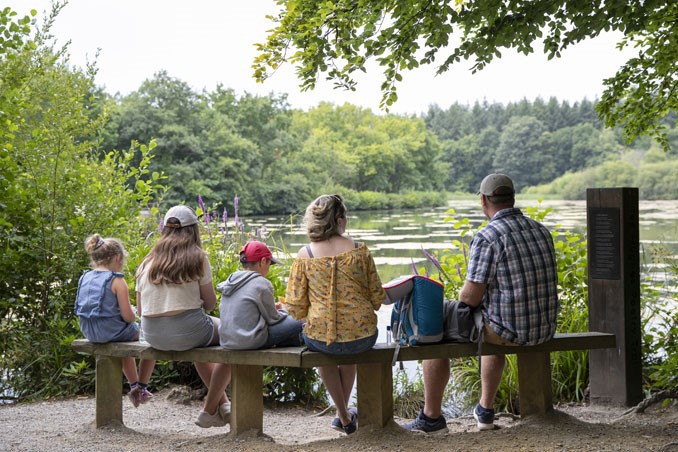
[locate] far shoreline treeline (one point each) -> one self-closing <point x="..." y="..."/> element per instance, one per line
<point x="220" y="143"/>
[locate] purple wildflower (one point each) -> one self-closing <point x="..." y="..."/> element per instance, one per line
<point x="434" y="261"/>
<point x="459" y="271"/>
<point x="258" y="233"/>
<point x="224" y="218"/>
<point x="161" y="225"/>
<point x="431" y="258"/>
<point x="235" y="204"/>
<point x="414" y="267"/>
<point x="201" y="204"/>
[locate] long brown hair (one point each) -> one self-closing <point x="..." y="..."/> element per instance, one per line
<point x="177" y="257"/>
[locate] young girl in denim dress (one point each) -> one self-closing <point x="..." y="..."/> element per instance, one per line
<point x="105" y="313"/>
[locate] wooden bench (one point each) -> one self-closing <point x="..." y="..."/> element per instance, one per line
<point x="374" y="379"/>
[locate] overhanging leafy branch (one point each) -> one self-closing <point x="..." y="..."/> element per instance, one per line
<point x="338" y="38"/>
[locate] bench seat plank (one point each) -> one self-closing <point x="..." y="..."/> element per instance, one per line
<point x="300" y="357"/>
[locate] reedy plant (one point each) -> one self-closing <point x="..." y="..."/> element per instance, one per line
<point x="659" y="320"/>
<point x="408" y="394"/>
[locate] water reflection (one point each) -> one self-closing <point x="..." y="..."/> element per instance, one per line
<point x="397" y="237"/>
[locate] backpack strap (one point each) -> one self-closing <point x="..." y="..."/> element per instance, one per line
<point x="480" y="327"/>
<point x="403" y="307"/>
<point x="477" y="333"/>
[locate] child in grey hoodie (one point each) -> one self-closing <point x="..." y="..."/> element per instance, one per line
<point x="250" y="317"/>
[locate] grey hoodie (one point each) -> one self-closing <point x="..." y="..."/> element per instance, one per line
<point x="247" y="308"/>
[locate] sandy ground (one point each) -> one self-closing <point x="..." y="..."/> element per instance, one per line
<point x="165" y="424"/>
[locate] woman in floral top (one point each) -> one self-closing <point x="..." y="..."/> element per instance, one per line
<point x="334" y="285"/>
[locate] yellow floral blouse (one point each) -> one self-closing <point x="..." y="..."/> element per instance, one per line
<point x="336" y="294"/>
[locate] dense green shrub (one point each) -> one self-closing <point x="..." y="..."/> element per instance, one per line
<point x="56" y="190"/>
<point x="658" y="180"/>
<point x="654" y="179"/>
<point x="659" y="319"/>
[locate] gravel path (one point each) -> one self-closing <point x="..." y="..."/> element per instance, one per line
<point x="164" y="424"/>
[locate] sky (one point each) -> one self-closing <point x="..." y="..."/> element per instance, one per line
<point x="207" y="42"/>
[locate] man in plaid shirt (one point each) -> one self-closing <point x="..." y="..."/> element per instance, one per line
<point x="512" y="271"/>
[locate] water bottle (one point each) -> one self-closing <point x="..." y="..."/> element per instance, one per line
<point x="388" y="334"/>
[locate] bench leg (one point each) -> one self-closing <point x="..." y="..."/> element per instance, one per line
<point x="247" y="412"/>
<point x="108" y="390"/>
<point x="375" y="394"/>
<point x="534" y="383"/>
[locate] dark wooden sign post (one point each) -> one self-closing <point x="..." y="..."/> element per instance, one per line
<point x="614" y="294"/>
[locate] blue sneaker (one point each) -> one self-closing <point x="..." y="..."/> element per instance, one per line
<point x="484" y="417"/>
<point x="352" y="426"/>
<point x="336" y="422"/>
<point x="425" y="424"/>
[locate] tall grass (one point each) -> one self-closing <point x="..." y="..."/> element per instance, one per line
<point x="408" y="394"/>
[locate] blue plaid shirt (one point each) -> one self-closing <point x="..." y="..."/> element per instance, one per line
<point x="514" y="256"/>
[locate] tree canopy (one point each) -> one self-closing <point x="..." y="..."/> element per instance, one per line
<point x="338" y="37"/>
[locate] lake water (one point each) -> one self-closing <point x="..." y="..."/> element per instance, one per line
<point x="396" y="238"/>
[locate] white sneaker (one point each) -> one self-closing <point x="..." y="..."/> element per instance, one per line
<point x="206" y="420"/>
<point x="225" y="411"/>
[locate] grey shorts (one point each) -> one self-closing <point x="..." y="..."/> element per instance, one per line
<point x="184" y="331"/>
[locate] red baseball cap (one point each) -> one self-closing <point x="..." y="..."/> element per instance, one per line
<point x="254" y="251"/>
